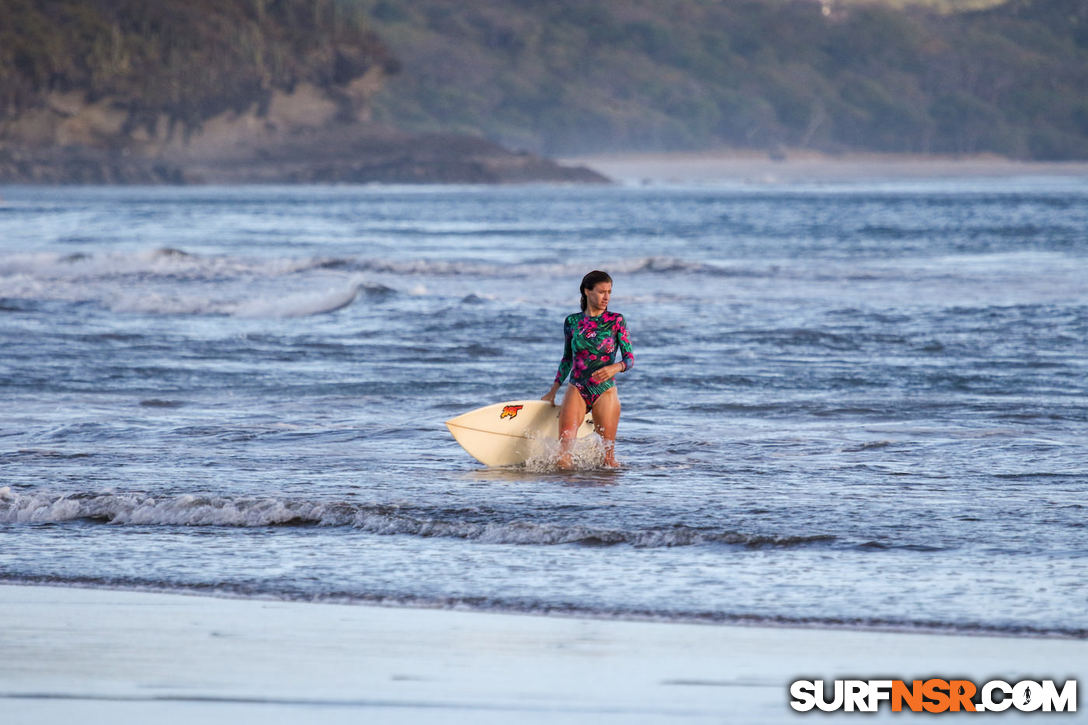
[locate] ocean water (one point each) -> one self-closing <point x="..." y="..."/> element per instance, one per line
<point x="853" y="404"/>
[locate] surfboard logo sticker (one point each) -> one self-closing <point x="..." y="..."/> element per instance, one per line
<point x="510" y="411"/>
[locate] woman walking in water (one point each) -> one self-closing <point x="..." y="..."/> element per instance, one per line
<point x="591" y="338"/>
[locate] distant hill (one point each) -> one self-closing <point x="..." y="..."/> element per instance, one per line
<point x="179" y="61"/>
<point x="582" y="76"/>
<point x="138" y="91"/>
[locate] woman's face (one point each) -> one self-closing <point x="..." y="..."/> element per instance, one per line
<point x="598" y="296"/>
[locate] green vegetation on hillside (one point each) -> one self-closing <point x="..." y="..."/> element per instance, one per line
<point x="189" y="60"/>
<point x="573" y="76"/>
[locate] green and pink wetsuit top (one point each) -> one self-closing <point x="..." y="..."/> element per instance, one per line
<point x="590" y="343"/>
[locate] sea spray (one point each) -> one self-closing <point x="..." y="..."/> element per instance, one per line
<point x="587" y="454"/>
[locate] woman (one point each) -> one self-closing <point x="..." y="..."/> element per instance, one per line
<point x="591" y="338"/>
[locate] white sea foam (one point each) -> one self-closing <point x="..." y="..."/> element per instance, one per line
<point x="586" y="454"/>
<point x="424" y="267"/>
<point x="172" y="282"/>
<point x="300" y="304"/>
<point x="135" y="509"/>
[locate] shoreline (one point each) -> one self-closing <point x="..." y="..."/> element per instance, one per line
<point x="634" y="617"/>
<point x="809" y="166"/>
<point x="109" y="655"/>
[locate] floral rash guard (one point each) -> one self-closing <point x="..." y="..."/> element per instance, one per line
<point x="589" y="344"/>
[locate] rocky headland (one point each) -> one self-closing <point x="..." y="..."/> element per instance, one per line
<point x="240" y="91"/>
<point x="303" y="136"/>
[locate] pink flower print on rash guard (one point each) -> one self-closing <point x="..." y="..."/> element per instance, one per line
<point x="589" y="344"/>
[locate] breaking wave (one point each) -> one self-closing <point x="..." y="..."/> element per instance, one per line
<point x="638" y="265"/>
<point x="169" y="263"/>
<point x="168" y="281"/>
<point x="136" y="509"/>
<point x="172" y="282"/>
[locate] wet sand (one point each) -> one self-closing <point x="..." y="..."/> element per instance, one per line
<point x="104" y="656"/>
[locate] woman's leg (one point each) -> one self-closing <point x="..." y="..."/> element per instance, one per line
<point x="606" y="419"/>
<point x="571" y="416"/>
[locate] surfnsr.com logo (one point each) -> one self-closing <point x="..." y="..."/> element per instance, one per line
<point x="933" y="695"/>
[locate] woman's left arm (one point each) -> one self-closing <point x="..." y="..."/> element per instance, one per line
<point x="624" y="342"/>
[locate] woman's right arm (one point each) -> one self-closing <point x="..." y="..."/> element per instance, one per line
<point x="564" y="364"/>
<point x="550" y="395"/>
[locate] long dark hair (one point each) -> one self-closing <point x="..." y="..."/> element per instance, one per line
<point x="590" y="281"/>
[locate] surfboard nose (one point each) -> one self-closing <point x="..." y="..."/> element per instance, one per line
<point x="501" y="434"/>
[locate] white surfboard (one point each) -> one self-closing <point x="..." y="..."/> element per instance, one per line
<point x="502" y="434"/>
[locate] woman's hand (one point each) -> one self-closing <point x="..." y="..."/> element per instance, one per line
<point x="550" y="395"/>
<point x="606" y="373"/>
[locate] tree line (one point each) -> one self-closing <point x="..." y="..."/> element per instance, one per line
<point x="572" y="76"/>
